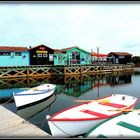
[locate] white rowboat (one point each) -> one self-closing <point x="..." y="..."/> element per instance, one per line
<point x="79" y="119"/>
<point x="126" y="125"/>
<point x="27" y="98"/>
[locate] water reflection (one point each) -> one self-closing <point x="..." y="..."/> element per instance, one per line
<point x="6" y="94"/>
<point x="30" y="111"/>
<point x="120" y="80"/>
<point x="77" y="88"/>
<point x="70" y="85"/>
<point x="67" y="90"/>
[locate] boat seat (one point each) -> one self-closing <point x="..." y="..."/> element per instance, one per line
<point x="112" y="104"/>
<point x="129" y="126"/>
<point x="93" y="113"/>
<point x="101" y="136"/>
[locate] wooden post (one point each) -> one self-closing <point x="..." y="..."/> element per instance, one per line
<point x="28" y="72"/>
<point x="98" y="54"/>
<point x="64" y="70"/>
<point x="81" y="70"/>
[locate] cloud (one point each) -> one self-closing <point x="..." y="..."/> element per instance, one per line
<point x="113" y="27"/>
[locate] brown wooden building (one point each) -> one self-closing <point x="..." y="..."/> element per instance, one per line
<point x="41" y="55"/>
<point x="119" y="57"/>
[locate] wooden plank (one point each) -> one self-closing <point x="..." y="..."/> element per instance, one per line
<point x="11" y="125"/>
<point x="129" y="126"/>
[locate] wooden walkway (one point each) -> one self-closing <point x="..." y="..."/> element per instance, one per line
<point x="13" y="126"/>
<point x="58" y="70"/>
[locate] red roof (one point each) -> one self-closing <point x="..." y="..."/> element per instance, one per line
<point x="13" y="49"/>
<point x="98" y="55"/>
<point x="57" y="51"/>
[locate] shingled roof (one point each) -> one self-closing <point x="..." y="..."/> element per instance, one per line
<point x="120" y="53"/>
<point x="64" y="50"/>
<point x="40" y="46"/>
<point x="57" y="51"/>
<point x="13" y="49"/>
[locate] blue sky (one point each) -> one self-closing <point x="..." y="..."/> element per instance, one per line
<point x="112" y="27"/>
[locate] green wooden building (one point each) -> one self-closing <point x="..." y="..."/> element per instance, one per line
<point x="60" y="58"/>
<point x="76" y="55"/>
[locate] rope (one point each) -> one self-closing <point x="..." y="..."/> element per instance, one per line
<point x="61" y="129"/>
<point x="35" y="122"/>
<point x="8" y="101"/>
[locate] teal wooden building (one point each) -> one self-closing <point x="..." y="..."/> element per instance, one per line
<point x="60" y="58"/>
<point x="76" y="55"/>
<point x="14" y="56"/>
<point x="72" y="55"/>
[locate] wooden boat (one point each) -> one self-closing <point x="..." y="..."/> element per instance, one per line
<point x="28" y="97"/>
<point x="126" y="125"/>
<point x="79" y="119"/>
<point x="30" y="111"/>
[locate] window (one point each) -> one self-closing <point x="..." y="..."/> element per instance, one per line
<point x="121" y="56"/>
<point x="50" y="57"/>
<point x="55" y="56"/>
<point x="82" y="59"/>
<point x="18" y="53"/>
<point x="45" y="55"/>
<point x="5" y="53"/>
<point x="60" y="59"/>
<point x="39" y="55"/>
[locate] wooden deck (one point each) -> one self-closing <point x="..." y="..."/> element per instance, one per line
<point x="13" y="126"/>
<point x="60" y="70"/>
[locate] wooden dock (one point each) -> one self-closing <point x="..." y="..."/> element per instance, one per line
<point x="60" y="70"/>
<point x="13" y="126"/>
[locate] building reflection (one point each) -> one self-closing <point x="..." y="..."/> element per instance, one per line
<point x="70" y="85"/>
<point x="120" y="80"/>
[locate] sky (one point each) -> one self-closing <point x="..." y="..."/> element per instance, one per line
<point x="113" y="27"/>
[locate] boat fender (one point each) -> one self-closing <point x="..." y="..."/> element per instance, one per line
<point x="48" y="117"/>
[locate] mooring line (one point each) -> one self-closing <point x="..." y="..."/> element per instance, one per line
<point x="7" y="101"/>
<point x="61" y="129"/>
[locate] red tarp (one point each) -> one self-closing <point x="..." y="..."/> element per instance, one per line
<point x="98" y="55"/>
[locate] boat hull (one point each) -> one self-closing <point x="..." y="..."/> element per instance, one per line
<point x="123" y="126"/>
<point x="30" y="111"/>
<point x="71" y="128"/>
<point x="31" y="96"/>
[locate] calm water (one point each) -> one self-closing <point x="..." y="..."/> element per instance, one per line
<point x="67" y="90"/>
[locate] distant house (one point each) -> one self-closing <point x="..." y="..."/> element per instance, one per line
<point x="98" y="57"/>
<point x="41" y="55"/>
<point x="119" y="57"/>
<point x="14" y="56"/>
<point x="76" y="55"/>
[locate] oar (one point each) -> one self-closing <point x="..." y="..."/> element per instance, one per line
<point x="124" y="110"/>
<point x="34" y="88"/>
<point x="84" y="100"/>
<point x="101" y="100"/>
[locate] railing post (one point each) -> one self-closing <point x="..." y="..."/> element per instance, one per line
<point x="81" y="69"/>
